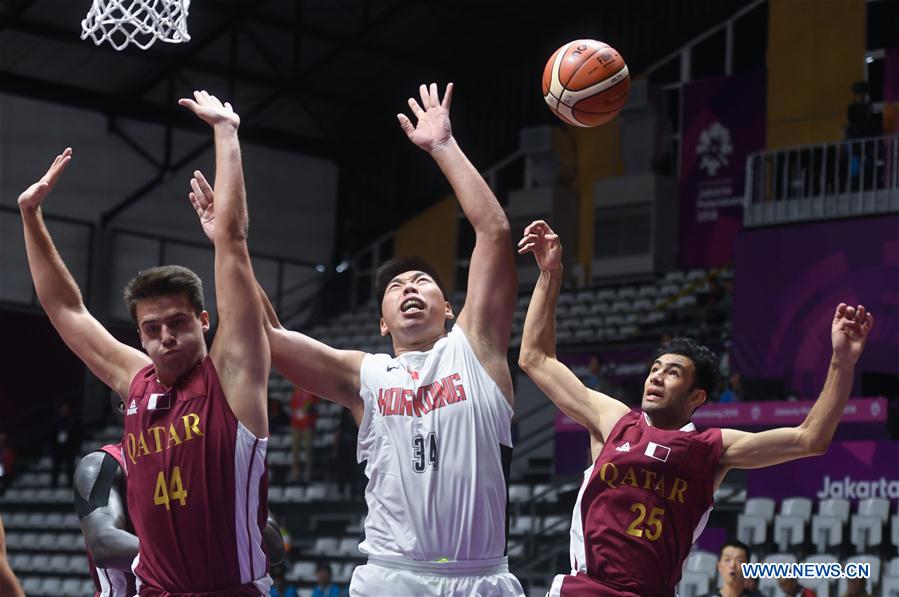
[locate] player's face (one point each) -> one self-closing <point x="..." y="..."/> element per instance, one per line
<point x="729" y="564"/>
<point x="413" y="308"/>
<point x="171" y="333"/>
<point x="669" y="386"/>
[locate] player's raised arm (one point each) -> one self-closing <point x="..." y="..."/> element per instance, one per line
<point x="492" y="278"/>
<point x="595" y="411"/>
<point x="240" y="350"/>
<point x="327" y="372"/>
<point x="742" y="449"/>
<point x="101" y="512"/>
<point x="8" y="583"/>
<point x="110" y="360"/>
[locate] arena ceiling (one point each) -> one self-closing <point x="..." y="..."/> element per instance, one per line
<point x="326" y="77"/>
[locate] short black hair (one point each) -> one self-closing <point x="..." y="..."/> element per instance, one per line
<point x="323" y="566"/>
<point x="705" y="362"/>
<point x="162" y="281"/>
<point x="393" y="268"/>
<point x="738" y="545"/>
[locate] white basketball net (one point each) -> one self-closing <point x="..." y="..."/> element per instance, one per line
<point x="138" y="22"/>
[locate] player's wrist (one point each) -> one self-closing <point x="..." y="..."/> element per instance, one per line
<point x="443" y="146"/>
<point x="839" y="362"/>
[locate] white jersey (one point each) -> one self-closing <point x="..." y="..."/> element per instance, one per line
<point x="437" y="444"/>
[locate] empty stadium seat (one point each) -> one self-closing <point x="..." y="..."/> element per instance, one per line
<point x="752" y="524"/>
<point x="522" y="524"/>
<point x="326" y="545"/>
<point x="693" y="584"/>
<point x="349" y="547"/>
<point x="866" y="526"/>
<point x="302" y="571"/>
<point x="556" y="525"/>
<point x="790" y="523"/>
<point x="828" y="523"/>
<point x="889" y="584"/>
<point x="704" y="562"/>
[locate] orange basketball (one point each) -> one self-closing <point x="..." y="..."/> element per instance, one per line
<point x="585" y="83"/>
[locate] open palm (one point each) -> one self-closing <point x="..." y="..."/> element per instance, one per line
<point x="31" y="198"/>
<point x="202" y="197"/>
<point x="432" y="128"/>
<point x="210" y="109"/>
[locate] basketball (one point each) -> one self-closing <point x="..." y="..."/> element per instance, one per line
<point x="586" y="83"/>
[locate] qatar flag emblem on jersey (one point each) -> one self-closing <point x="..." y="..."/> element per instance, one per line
<point x="657" y="451"/>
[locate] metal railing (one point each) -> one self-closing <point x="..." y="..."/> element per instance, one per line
<point x="827" y="180"/>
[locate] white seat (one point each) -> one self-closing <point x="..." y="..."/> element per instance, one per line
<point x="325" y="546"/>
<point x="878" y="507"/>
<point x="752" y="530"/>
<point x="59" y="564"/>
<point x="760" y="506"/>
<point x="523" y="524"/>
<point x="31" y="585"/>
<point x="873" y="562"/>
<point x="71" y="587"/>
<point x="865" y="532"/>
<point x="349" y="546"/>
<point x="894" y="530"/>
<point x="788" y="531"/>
<point x="302" y="571"/>
<point x="828" y="523"/>
<point x="545" y="493"/>
<point x="702" y="561"/>
<point x="693" y="584"/>
<point x="556" y="525"/>
<point x="275" y="494"/>
<point x="889" y="584"/>
<point x="294" y="493"/>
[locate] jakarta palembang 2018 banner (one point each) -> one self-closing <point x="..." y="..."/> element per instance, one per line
<point x="850" y="470"/>
<point x="723" y="122"/>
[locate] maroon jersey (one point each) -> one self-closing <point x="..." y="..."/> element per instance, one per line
<point x="112" y="582"/>
<point x="643" y="505"/>
<point x="197" y="488"/>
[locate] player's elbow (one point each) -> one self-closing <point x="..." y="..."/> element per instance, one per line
<point x="530" y="359"/>
<point x="814" y="444"/>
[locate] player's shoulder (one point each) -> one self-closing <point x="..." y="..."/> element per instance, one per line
<point x="88" y="471"/>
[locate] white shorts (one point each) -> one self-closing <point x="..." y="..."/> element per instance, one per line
<point x="397" y="577"/>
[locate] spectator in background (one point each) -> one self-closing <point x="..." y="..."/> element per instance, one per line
<point x="66" y="444"/>
<point x="345" y="445"/>
<point x="280" y="586"/>
<point x="302" y="420"/>
<point x="792" y="588"/>
<point x="751" y="584"/>
<point x="323" y="585"/>
<point x="734" y="391"/>
<point x="856" y="587"/>
<point x="732" y="555"/>
<point x="595" y="379"/>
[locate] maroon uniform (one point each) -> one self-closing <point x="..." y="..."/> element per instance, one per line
<point x="112" y="582"/>
<point x="644" y="503"/>
<point x="197" y="489"/>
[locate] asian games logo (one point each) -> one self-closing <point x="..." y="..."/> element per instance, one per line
<point x="714" y="147"/>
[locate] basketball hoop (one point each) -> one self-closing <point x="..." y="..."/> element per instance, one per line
<point x="138" y="22"/>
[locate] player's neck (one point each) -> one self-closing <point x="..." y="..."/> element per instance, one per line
<point x="400" y="347"/>
<point x="169" y="379"/>
<point x="660" y="421"/>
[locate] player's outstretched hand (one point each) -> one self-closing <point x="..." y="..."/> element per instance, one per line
<point x="202" y="197"/>
<point x="539" y="239"/>
<point x="210" y="109"/>
<point x="432" y="129"/>
<point x="32" y="197"/>
<point x="849" y="332"/>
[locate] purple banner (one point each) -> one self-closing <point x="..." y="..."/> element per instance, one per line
<point x="782" y="412"/>
<point x="789" y="281"/>
<point x="849" y="470"/>
<point x="723" y="122"/>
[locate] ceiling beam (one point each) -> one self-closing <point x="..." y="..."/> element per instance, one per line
<point x="112" y="106"/>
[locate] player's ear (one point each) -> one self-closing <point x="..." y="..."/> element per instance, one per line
<point x="384" y="330"/>
<point x="448" y="310"/>
<point x="204" y="320"/>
